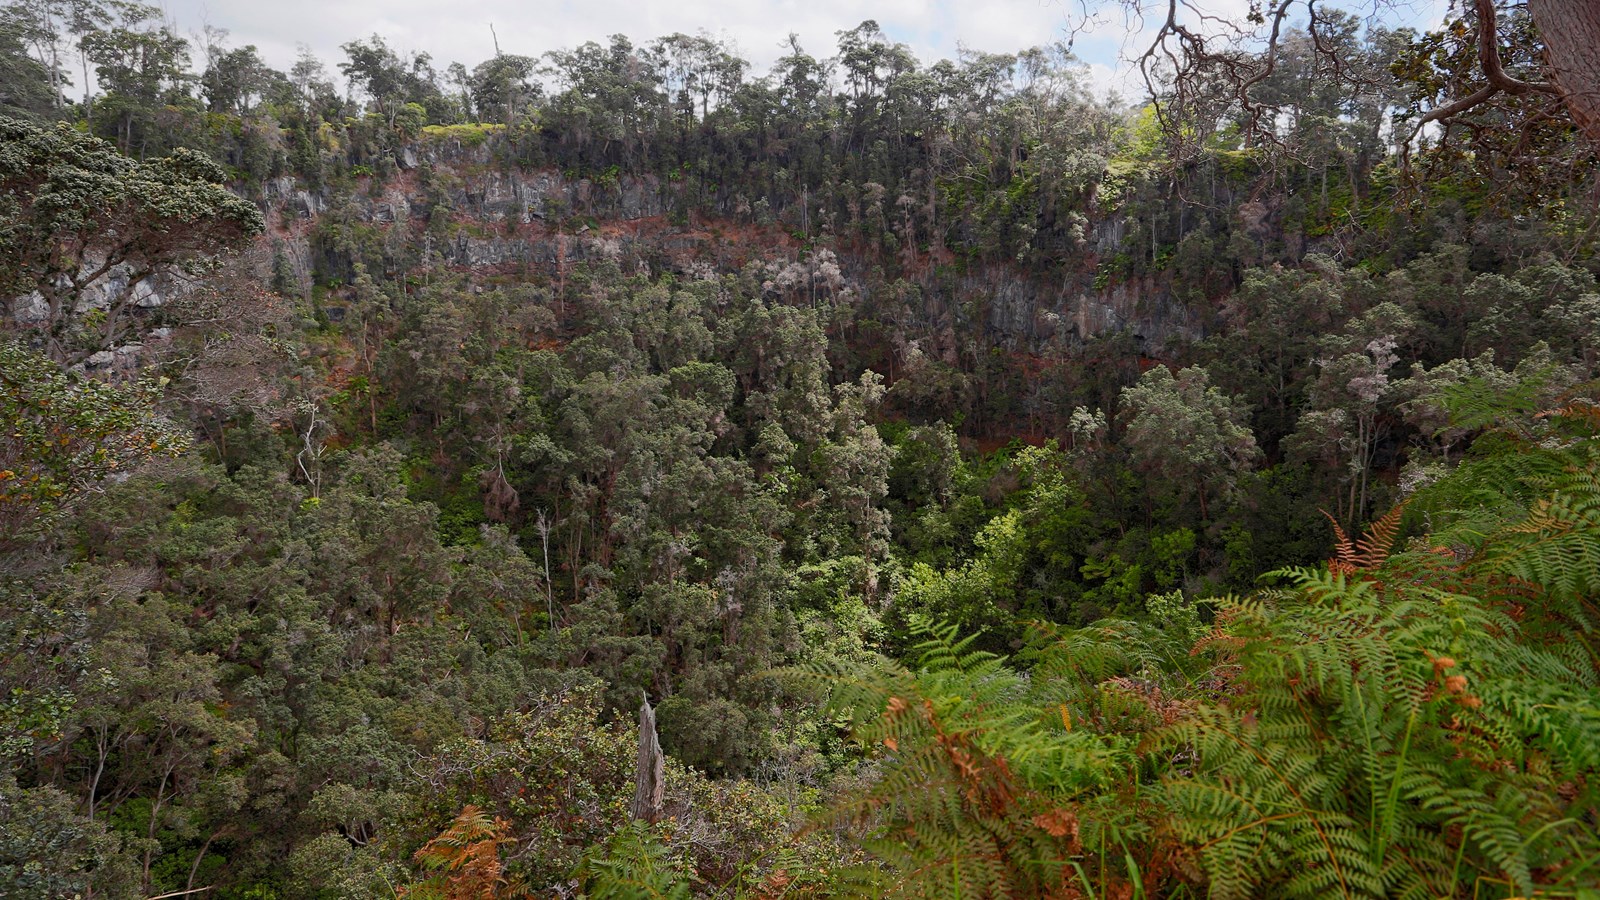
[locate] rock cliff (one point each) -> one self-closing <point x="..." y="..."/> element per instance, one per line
<point x="500" y="219"/>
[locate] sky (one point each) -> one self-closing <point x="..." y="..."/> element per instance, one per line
<point x="460" y="30"/>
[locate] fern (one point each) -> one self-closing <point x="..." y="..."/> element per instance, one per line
<point x="466" y="860"/>
<point x="632" y="865"/>
<point x="982" y="792"/>
<point x="1414" y="723"/>
<point x="1525" y="509"/>
<point x="1382" y="727"/>
<point x="1555" y="547"/>
<point x="1371" y="549"/>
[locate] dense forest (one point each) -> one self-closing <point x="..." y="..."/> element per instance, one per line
<point x="612" y="472"/>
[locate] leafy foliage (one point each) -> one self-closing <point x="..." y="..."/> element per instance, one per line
<point x="633" y="866"/>
<point x="466" y="857"/>
<point x="63" y="435"/>
<point x="683" y="379"/>
<point x="76" y="211"/>
<point x="1388" y="726"/>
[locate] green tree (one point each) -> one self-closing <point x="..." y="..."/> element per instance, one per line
<point x="1186" y="436"/>
<point x="141" y="66"/>
<point x="48" y="850"/>
<point x="503" y="87"/>
<point x="62" y="436"/>
<point x="235" y="80"/>
<point x="40" y="28"/>
<point x="86" y="229"/>
<point x="390" y="81"/>
<point x="25" y="85"/>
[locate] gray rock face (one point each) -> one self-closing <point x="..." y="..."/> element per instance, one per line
<point x="490" y="194"/>
<point x="118" y="285"/>
<point x="1108" y="235"/>
<point x="30" y="309"/>
<point x="284" y="192"/>
<point x="145" y="296"/>
<point x="1023" y="314"/>
<point x="118" y="359"/>
<point x="277" y="190"/>
<point x="309" y="205"/>
<point x="495" y="195"/>
<point x="494" y="201"/>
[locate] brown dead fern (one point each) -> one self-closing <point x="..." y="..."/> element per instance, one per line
<point x="1368" y="552"/>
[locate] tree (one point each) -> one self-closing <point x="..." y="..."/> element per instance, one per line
<point x="1571" y="31"/>
<point x="1342" y="420"/>
<point x="1263" y="351"/>
<point x="1200" y="66"/>
<point x="48" y="850"/>
<point x="610" y="93"/>
<point x="309" y="77"/>
<point x="235" y="80"/>
<point x="84" y="230"/>
<point x="1186" y="434"/>
<point x="141" y="66"/>
<point x="26" y="86"/>
<point x="39" y="26"/>
<point x="158" y="735"/>
<point x="1568" y="30"/>
<point x="502" y="86"/>
<point x="62" y="435"/>
<point x="390" y="81"/>
<point x="695" y="67"/>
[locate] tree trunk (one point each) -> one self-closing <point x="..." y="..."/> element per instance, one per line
<point x="1571" y="32"/>
<point x="650" y="776"/>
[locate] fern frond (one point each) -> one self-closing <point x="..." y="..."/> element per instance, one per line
<point x="1369" y="551"/>
<point x="1584" y="411"/>
<point x="1376" y="544"/>
<point x="1344" y="558"/>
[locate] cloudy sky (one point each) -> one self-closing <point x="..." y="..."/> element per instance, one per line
<point x="459" y="30"/>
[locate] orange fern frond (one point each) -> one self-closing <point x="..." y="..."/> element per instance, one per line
<point x="1343" y="561"/>
<point x="1376" y="545"/>
<point x="1588" y="412"/>
<point x="469" y="851"/>
<point x="1371" y="550"/>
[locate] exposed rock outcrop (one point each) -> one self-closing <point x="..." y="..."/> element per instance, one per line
<point x="507" y="220"/>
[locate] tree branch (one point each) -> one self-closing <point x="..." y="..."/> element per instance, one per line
<point x="1493" y="69"/>
<point x="1489" y="56"/>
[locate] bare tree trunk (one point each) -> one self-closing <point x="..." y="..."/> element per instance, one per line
<point x="150" y="831"/>
<point x="650" y="776"/>
<point x="99" y="769"/>
<point x="1571" y="32"/>
<point x="194" y="870"/>
<point x="88" y="108"/>
<point x="543" y="526"/>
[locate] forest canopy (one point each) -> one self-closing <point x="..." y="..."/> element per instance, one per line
<point x="610" y="471"/>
